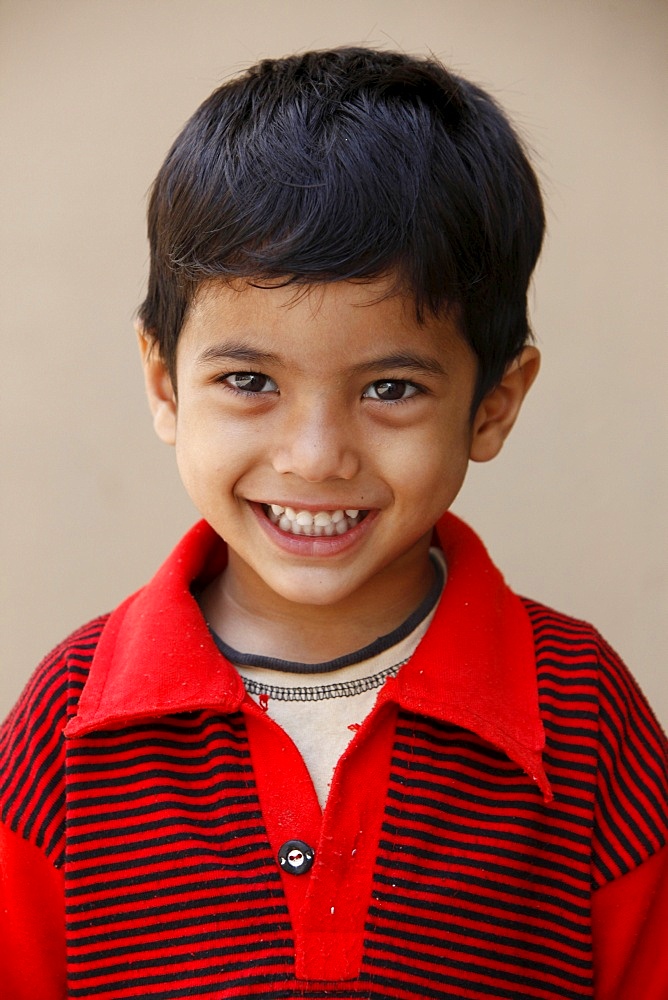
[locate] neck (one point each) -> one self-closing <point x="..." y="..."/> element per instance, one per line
<point x="251" y="620"/>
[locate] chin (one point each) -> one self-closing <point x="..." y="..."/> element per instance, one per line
<point x="312" y="591"/>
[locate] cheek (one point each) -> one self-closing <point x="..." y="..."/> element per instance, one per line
<point x="200" y="459"/>
<point x="212" y="455"/>
<point x="430" y="470"/>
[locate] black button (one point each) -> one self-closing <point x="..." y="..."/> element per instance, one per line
<point x="296" y="857"/>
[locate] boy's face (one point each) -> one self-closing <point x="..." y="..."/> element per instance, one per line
<point x="298" y="408"/>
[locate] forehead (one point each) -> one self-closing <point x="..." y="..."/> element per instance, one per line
<point x="355" y="318"/>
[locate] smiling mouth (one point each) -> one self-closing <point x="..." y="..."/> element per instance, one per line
<point x="319" y="523"/>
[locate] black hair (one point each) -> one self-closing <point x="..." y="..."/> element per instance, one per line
<point x="351" y="164"/>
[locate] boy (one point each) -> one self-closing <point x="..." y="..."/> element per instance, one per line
<point x="333" y="754"/>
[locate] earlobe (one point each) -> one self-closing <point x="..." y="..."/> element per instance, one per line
<point x="498" y="410"/>
<point x="159" y="387"/>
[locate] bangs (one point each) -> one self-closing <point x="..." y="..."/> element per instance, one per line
<point x="326" y="193"/>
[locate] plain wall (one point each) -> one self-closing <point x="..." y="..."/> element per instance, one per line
<point x="94" y="91"/>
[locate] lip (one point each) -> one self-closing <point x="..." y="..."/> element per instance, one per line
<point x="313" y="546"/>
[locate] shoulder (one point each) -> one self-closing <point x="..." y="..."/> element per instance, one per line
<point x="31" y="739"/>
<point x="551" y="625"/>
<point x="57" y="679"/>
<point x="573" y="658"/>
<point x="594" y="710"/>
<point x="573" y="652"/>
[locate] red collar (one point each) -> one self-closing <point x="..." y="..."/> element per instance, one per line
<point x="475" y="667"/>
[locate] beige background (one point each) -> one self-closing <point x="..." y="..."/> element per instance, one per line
<point x="93" y="91"/>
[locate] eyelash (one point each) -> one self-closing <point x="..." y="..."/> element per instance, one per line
<point x="416" y="389"/>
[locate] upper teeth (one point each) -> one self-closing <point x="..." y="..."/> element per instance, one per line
<point x="307" y="522"/>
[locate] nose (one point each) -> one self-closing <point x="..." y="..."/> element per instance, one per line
<point x="316" y="442"/>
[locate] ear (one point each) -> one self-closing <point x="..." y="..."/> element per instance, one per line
<point x="498" y="410"/>
<point x="159" y="387"/>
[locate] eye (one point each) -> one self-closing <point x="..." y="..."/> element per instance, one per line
<point x="391" y="390"/>
<point x="252" y="383"/>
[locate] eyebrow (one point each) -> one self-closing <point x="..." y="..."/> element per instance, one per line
<point x="399" y="361"/>
<point x="238" y="352"/>
<point x="415" y="364"/>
